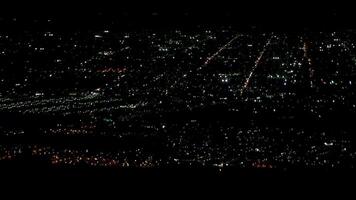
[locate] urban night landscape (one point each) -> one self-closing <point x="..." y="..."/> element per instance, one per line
<point x="153" y="88"/>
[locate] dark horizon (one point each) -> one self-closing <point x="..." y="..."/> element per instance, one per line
<point x="262" y="15"/>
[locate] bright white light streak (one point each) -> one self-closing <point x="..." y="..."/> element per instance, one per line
<point x="207" y="61"/>
<point x="257" y="62"/>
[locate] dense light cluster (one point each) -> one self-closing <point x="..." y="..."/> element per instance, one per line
<point x="204" y="97"/>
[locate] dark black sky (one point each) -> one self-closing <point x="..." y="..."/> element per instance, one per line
<point x="266" y="14"/>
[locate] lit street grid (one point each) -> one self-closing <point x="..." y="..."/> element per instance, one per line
<point x="208" y="97"/>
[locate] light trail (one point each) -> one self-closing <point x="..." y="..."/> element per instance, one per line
<point x="309" y="60"/>
<point x="257" y="62"/>
<point x="207" y="61"/>
<point x="306" y="52"/>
